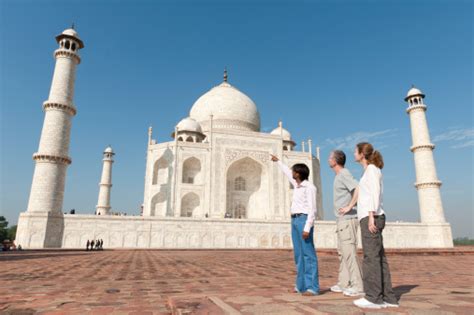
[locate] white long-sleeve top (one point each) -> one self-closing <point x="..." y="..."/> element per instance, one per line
<point x="304" y="197"/>
<point x="370" y="192"/>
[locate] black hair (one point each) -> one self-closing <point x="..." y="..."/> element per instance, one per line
<point x="339" y="157"/>
<point x="301" y="169"/>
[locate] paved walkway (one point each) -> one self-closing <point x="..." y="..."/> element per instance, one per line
<point x="217" y="282"/>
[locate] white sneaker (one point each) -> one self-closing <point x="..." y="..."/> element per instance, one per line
<point x="363" y="303"/>
<point x="336" y="288"/>
<point x="353" y="292"/>
<point x="386" y="304"/>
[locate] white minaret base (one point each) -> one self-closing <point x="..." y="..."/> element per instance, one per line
<point x="40" y="230"/>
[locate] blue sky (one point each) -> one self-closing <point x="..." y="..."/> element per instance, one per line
<point x="334" y="71"/>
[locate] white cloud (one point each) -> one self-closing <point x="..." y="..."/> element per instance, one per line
<point x="377" y="138"/>
<point x="460" y="137"/>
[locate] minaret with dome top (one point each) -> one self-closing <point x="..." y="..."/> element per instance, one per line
<point x="427" y="183"/>
<point x="45" y="205"/>
<point x="52" y="158"/>
<point x="103" y="203"/>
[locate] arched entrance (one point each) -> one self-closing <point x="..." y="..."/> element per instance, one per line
<point x="192" y="171"/>
<point x="189" y="204"/>
<point x="247" y="192"/>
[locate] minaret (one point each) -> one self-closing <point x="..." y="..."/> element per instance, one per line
<point x="103" y="205"/>
<point x="427" y="183"/>
<point x="52" y="158"/>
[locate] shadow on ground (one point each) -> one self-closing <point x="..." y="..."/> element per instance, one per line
<point x="403" y="289"/>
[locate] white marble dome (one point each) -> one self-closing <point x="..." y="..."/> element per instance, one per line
<point x="109" y="150"/>
<point x="280" y="131"/>
<point x="230" y="109"/>
<point x="413" y="92"/>
<point x="189" y="124"/>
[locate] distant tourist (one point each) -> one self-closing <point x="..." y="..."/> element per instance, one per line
<point x="376" y="273"/>
<point x="88" y="243"/>
<point x="344" y="200"/>
<point x="101" y="244"/>
<point x="303" y="214"/>
<point x="92" y="245"/>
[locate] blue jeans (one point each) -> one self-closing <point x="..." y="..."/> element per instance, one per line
<point x="307" y="278"/>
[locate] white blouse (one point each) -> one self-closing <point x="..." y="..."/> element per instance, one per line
<point x="370" y="192"/>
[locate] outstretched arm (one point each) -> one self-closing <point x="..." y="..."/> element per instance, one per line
<point x="285" y="169"/>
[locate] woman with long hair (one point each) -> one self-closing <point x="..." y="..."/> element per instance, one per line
<point x="376" y="274"/>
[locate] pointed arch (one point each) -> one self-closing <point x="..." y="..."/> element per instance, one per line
<point x="247" y="189"/>
<point x="160" y="171"/>
<point x="189" y="204"/>
<point x="192" y="171"/>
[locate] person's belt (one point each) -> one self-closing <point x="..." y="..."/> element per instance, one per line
<point x="295" y="215"/>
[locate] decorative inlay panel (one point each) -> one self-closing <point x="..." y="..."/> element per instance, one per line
<point x="232" y="155"/>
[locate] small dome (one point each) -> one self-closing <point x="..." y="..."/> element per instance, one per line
<point x="70" y="32"/>
<point x="280" y="131"/>
<point x="109" y="150"/>
<point x="414" y="92"/>
<point x="189" y="124"/>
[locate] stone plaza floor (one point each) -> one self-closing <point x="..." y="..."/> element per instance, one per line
<point x="218" y="282"/>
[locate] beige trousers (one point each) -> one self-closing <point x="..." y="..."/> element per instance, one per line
<point x="350" y="275"/>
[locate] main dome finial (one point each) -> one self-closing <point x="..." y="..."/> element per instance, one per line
<point x="225" y="74"/>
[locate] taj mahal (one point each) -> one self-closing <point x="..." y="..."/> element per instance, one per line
<point x="218" y="164"/>
<point x="212" y="185"/>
